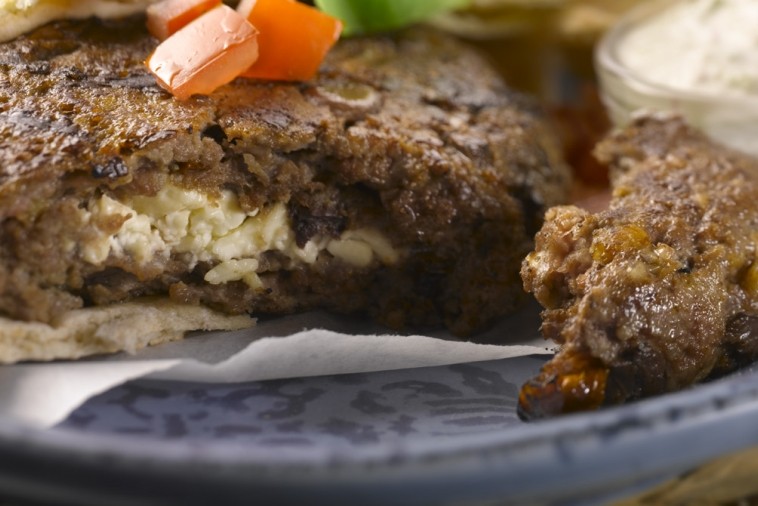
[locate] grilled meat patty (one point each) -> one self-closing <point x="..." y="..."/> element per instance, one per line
<point x="405" y="181"/>
<point x="659" y="291"/>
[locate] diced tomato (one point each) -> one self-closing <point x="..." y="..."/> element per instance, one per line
<point x="207" y="53"/>
<point x="294" y="38"/>
<point x="168" y="16"/>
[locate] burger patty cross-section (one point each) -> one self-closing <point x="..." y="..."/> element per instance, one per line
<point x="405" y="181"/>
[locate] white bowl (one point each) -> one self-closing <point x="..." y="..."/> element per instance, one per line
<point x="728" y="118"/>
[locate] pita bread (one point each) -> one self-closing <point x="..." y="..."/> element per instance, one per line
<point x="128" y="327"/>
<point x="21" y="16"/>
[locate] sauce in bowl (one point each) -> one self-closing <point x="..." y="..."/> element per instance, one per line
<point x="698" y="58"/>
<point x="703" y="45"/>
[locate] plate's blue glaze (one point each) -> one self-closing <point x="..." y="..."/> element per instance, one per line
<point x="336" y="413"/>
<point x="442" y="435"/>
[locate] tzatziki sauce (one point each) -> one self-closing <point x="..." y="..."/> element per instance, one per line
<point x="702" y="46"/>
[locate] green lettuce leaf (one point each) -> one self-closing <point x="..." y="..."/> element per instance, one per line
<point x="370" y="16"/>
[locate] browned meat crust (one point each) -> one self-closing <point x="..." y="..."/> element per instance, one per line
<point x="661" y="290"/>
<point x="413" y="136"/>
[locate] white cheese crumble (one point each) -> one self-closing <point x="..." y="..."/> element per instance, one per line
<point x="360" y="247"/>
<point x="217" y="231"/>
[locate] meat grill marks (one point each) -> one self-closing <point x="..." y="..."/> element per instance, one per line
<point x="413" y="136"/>
<point x="661" y="290"/>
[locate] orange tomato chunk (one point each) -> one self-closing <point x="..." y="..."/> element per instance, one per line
<point x="294" y="38"/>
<point x="168" y="16"/>
<point x="207" y="53"/>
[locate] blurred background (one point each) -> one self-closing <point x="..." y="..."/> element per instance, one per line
<point x="545" y="48"/>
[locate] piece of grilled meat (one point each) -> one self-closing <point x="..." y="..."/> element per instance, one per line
<point x="405" y="181"/>
<point x="659" y="291"/>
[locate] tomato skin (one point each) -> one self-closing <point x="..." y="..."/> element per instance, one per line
<point x="207" y="53"/>
<point x="168" y="16"/>
<point x="294" y="38"/>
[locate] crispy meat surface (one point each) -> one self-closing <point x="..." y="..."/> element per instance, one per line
<point x="659" y="291"/>
<point x="411" y="182"/>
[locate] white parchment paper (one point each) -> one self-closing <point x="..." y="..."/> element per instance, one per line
<point x="311" y="344"/>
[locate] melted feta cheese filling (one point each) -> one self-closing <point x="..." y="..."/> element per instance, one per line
<point x="218" y="231"/>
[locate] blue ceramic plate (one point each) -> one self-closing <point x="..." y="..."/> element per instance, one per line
<point x="439" y="435"/>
